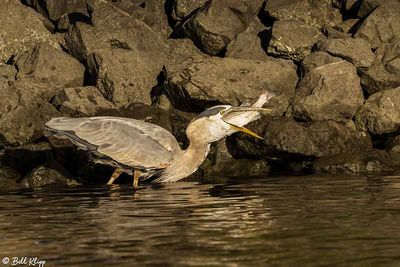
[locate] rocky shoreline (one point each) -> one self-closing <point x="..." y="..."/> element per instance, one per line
<point x="334" y="66"/>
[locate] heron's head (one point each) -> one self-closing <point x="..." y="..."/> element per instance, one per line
<point x="217" y="122"/>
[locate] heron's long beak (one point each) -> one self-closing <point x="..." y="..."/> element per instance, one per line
<point x="245" y="130"/>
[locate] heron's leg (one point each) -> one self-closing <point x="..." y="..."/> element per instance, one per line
<point x="114" y="176"/>
<point x="136" y="175"/>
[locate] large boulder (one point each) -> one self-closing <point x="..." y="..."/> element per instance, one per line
<point x="381" y="113"/>
<point x="364" y="162"/>
<point x="249" y="44"/>
<point x="315" y="60"/>
<point x="22" y="28"/>
<point x="285" y="138"/>
<point x="8" y="99"/>
<point x="382" y="25"/>
<point x="293" y="39"/>
<point x="357" y="51"/>
<point x="81" y="101"/>
<point x="385" y="72"/>
<point x="329" y="92"/>
<point x="233" y="81"/>
<point x="214" y="25"/>
<point x="314" y="13"/>
<point x="124" y="55"/>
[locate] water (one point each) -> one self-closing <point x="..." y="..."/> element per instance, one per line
<point x="283" y="221"/>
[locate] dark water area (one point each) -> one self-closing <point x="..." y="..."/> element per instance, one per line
<point x="282" y="221"/>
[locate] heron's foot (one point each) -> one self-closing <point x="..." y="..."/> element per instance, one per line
<point x="136" y="175"/>
<point x="114" y="176"/>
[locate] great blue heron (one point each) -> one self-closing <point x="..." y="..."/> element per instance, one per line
<point x="146" y="150"/>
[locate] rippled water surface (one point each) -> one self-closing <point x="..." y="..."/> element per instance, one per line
<point x="285" y="221"/>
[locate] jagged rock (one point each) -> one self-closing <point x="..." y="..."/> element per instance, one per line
<point x="347" y="26"/>
<point x="248" y="44"/>
<point x="382" y="25"/>
<point x="24" y="28"/>
<point x="46" y="64"/>
<point x="393" y="145"/>
<point x="380" y="113"/>
<point x="7" y="185"/>
<point x="356" y="163"/>
<point x="357" y="51"/>
<point x="284" y="138"/>
<point x="182" y="8"/>
<point x="9" y="173"/>
<point x="367" y="6"/>
<point x="314" y="13"/>
<point x="24" y="158"/>
<point x="55" y="9"/>
<point x="24" y="124"/>
<point x="315" y="60"/>
<point x="329" y="92"/>
<point x="51" y="174"/>
<point x="378" y="78"/>
<point x="8" y="98"/>
<point x="214" y="25"/>
<point x="233" y="81"/>
<point x="81" y="101"/>
<point x="7" y="73"/>
<point x="293" y="39"/>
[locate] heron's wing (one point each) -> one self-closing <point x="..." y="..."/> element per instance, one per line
<point x="130" y="142"/>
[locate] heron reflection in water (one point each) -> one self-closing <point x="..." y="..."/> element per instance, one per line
<point x="145" y="150"/>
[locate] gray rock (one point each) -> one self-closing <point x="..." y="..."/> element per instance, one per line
<point x="81" y="101"/>
<point x="364" y="162"/>
<point x="382" y="25"/>
<point x="315" y="60"/>
<point x="24" y="124"/>
<point x="24" y="29"/>
<point x="48" y="65"/>
<point x="357" y="51"/>
<point x="248" y="44"/>
<point x="329" y="92"/>
<point x="293" y="39"/>
<point x="380" y="113"/>
<point x="233" y="81"/>
<point x="218" y="22"/>
<point x="183" y="8"/>
<point x="7" y="185"/>
<point x="314" y="13"/>
<point x="51" y="174"/>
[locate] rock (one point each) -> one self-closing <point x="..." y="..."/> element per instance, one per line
<point x="51" y="174"/>
<point x="81" y="101"/>
<point x="249" y="44"/>
<point x="7" y="185"/>
<point x="367" y="6"/>
<point x="315" y="60"/>
<point x="54" y="9"/>
<point x="141" y="112"/>
<point x="347" y="26"/>
<point x="293" y="39"/>
<point x="357" y="51"/>
<point x="8" y="98"/>
<point x="24" y="30"/>
<point x="24" y="124"/>
<point x="329" y="92"/>
<point x="24" y="158"/>
<point x="9" y="173"/>
<point x="320" y="138"/>
<point x="382" y="25"/>
<point x="46" y="64"/>
<point x="7" y="73"/>
<point x="380" y="113"/>
<point x="314" y="13"/>
<point x="183" y="8"/>
<point x="364" y="162"/>
<point x="233" y="81"/>
<point x="378" y="78"/>
<point x="218" y="22"/>
<point x="124" y="55"/>
<point x="393" y="145"/>
<point x="332" y="33"/>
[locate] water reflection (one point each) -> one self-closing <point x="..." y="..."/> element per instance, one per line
<point x="239" y="222"/>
